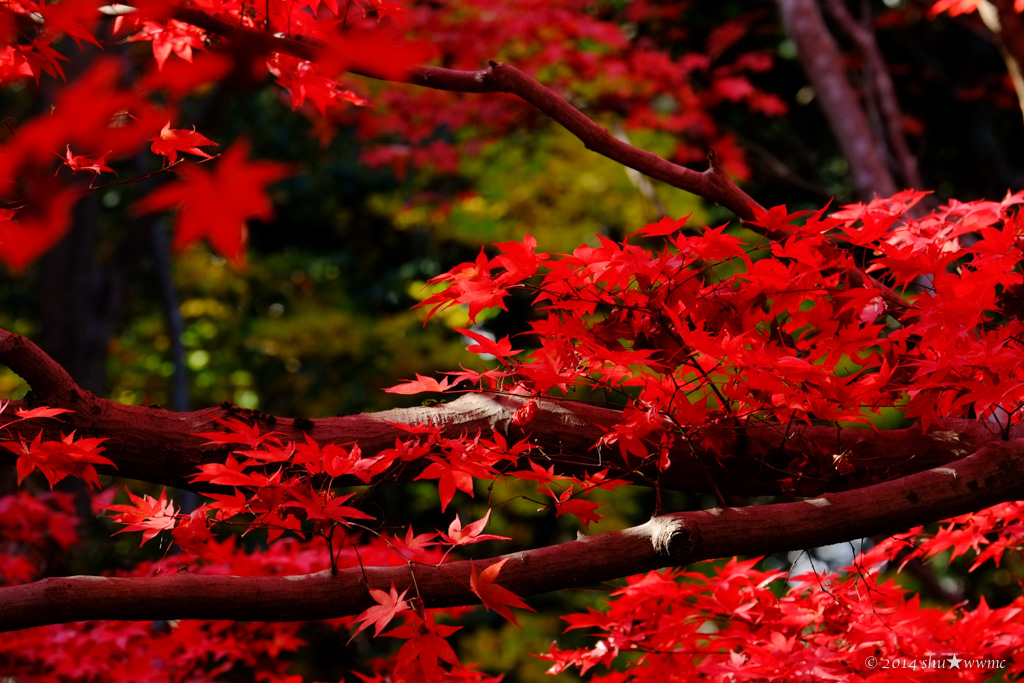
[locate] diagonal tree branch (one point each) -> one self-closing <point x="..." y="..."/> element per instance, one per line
<point x="992" y="475"/>
<point x="714" y="184"/>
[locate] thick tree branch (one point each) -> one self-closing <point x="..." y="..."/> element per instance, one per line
<point x="992" y="475"/>
<point x="49" y="381"/>
<point x="160" y="446"/>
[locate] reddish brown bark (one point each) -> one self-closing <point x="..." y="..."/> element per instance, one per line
<point x="992" y="475"/>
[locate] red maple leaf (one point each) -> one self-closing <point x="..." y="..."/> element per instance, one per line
<point x="215" y="205"/>
<point x="193" y="535"/>
<point x="74" y="18"/>
<point x="666" y="226"/>
<point x="79" y="162"/>
<point x="457" y="535"/>
<point x="385" y="9"/>
<point x="539" y="474"/>
<point x="419" y="385"/>
<point x="381" y="614"/>
<point x="231" y="473"/>
<point x="174" y="140"/>
<point x="494" y="596"/>
<point x="470" y="284"/>
<point x="582" y="510"/>
<point x="59" y="459"/>
<point x="29" y="457"/>
<point x="238" y="432"/>
<point x="177" y="37"/>
<point x="146" y="514"/>
<point x="376" y="53"/>
<point x="413" y="541"/>
<point x="426" y="644"/>
<point x="35" y="230"/>
<point x="500" y="349"/>
<point x="41" y="411"/>
<point x="457" y="471"/>
<point x="326" y="506"/>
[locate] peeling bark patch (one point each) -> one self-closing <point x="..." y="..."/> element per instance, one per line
<point x="667" y="534"/>
<point x="944" y="436"/>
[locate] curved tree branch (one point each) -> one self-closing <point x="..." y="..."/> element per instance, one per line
<point x="714" y="184"/>
<point x="49" y="381"/>
<point x="992" y="475"/>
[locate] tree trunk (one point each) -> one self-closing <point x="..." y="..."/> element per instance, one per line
<point x="823" y="63"/>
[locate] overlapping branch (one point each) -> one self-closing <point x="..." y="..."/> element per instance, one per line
<point x="992" y="475"/>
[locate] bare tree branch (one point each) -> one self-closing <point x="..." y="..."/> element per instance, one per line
<point x="990" y="476"/>
<point x="714" y="184"/>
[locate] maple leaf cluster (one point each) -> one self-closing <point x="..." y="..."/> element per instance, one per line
<point x="847" y="625"/>
<point x="295" y="497"/>
<point x="55" y="459"/>
<point x="794" y="329"/>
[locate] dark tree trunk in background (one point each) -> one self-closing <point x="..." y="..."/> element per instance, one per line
<point x="824" y="65"/>
<point x="78" y="301"/>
